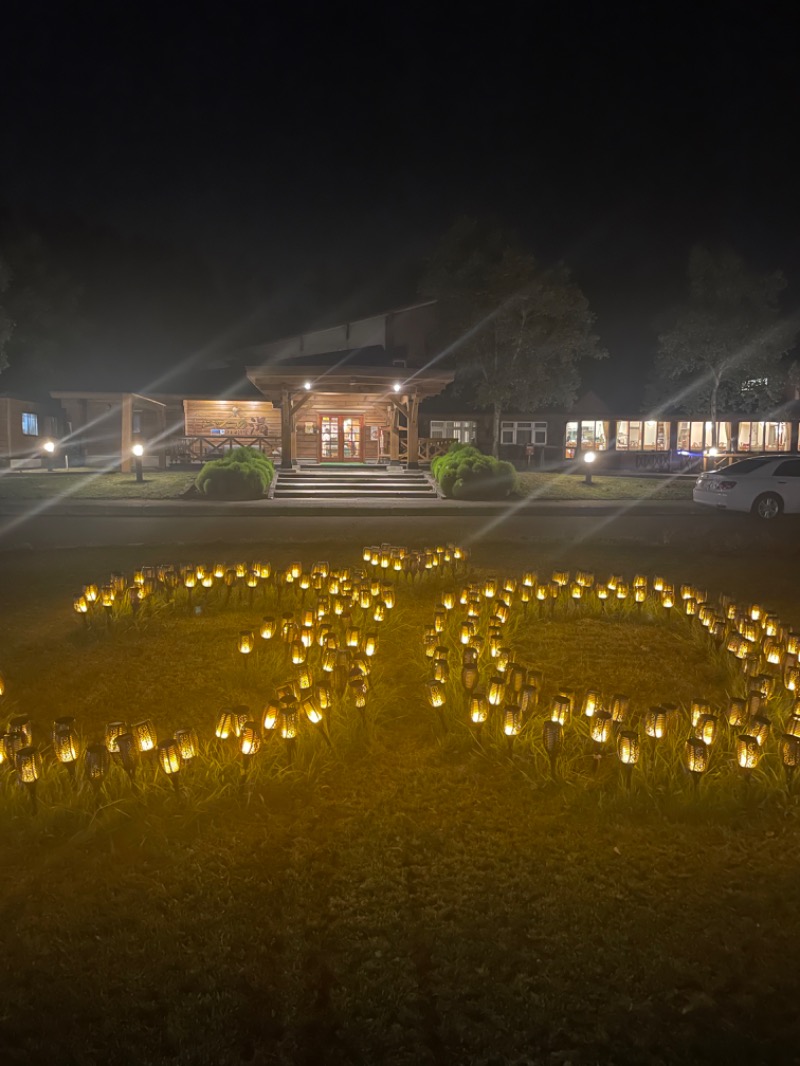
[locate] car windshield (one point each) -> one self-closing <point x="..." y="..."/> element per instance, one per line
<point x="744" y="466"/>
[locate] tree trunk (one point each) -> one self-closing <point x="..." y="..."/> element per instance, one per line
<point x="496" y="430"/>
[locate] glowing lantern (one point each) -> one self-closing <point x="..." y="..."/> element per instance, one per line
<point x="188" y="744"/>
<point x="370" y="644"/>
<point x="490" y="587"/>
<point x="667" y="600"/>
<point x="759" y="728"/>
<point x="169" y="759"/>
<point x="496" y="691"/>
<point x="436" y="692"/>
<point x="706" y="728"/>
<point x="560" y="708"/>
<point x="225" y="724"/>
<point x="28" y="764"/>
<point x="698" y="708"/>
<point x="517" y="676"/>
<point x="737" y="712"/>
<point x="267" y="630"/>
<point x="298" y="652"/>
<point x="655" y="722"/>
<point x="439" y="621"/>
<point x="91" y="593"/>
<point x="378" y="612"/>
<point x="388" y="596"/>
<point x="305" y="678"/>
<point x="748" y="751"/>
<point x="628" y="752"/>
<point x="249" y="741"/>
<point x="601" y="591"/>
<point x="246" y="642"/>
<point x="591" y="704"/>
<point x="512" y="722"/>
<point x="144" y="733"/>
<point x="114" y="730"/>
<point x="793" y="725"/>
<point x="65" y="748"/>
<point x="448" y="599"/>
<point x="270" y="717"/>
<point x="441" y="670"/>
<point x="697" y="755"/>
<point x="620" y="708"/>
<point x="478" y="708"/>
<point x="600" y="727"/>
<point x="80" y="607"/>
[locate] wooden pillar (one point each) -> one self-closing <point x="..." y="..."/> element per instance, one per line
<point x="413" y="432"/>
<point x="162" y="438"/>
<point x="126" y="435"/>
<point x="287" y="431"/>
<point x="394" y="437"/>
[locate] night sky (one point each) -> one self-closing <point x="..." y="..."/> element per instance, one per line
<point x="293" y="166"/>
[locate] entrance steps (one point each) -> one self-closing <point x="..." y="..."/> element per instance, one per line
<point x="343" y="483"/>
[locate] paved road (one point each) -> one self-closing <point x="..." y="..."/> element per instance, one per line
<point x="92" y="524"/>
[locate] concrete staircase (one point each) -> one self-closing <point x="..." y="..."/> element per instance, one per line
<point x="353" y="482"/>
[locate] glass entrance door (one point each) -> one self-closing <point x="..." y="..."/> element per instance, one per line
<point x="340" y="438"/>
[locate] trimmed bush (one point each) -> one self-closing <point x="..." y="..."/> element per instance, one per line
<point x="464" y="473"/>
<point x="245" y="474"/>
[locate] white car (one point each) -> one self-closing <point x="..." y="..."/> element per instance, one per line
<point x="767" y="487"/>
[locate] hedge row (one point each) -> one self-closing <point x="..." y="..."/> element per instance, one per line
<point x="244" y="474"/>
<point x="465" y="473"/>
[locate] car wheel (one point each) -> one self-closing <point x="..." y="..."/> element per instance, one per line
<point x="768" y="505"/>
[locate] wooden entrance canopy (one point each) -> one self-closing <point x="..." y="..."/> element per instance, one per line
<point x="397" y="391"/>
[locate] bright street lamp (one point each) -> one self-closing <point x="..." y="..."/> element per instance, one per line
<point x="588" y="458"/>
<point x="138" y="451"/>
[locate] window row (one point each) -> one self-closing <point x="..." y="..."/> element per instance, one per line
<point x="691" y="437"/>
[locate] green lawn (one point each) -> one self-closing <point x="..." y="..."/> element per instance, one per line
<point x="90" y="485"/>
<point x="410" y="896"/>
<point x="604" y="487"/>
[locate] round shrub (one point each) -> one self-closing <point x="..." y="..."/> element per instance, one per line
<point x="245" y="474"/>
<point x="465" y="473"/>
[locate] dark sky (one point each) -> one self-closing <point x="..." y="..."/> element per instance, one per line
<point x="308" y="155"/>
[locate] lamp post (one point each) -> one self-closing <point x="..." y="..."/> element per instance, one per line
<point x="589" y="459"/>
<point x="138" y="452"/>
<point x="49" y="449"/>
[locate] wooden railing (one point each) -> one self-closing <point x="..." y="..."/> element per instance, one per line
<point x="201" y="449"/>
<point x="430" y="447"/>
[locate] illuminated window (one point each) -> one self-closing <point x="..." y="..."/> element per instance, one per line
<point x="763" y="436"/>
<point x="649" y="436"/>
<point x="30" y="424"/>
<point x="697" y="436"/>
<point x="588" y="436"/>
<point x="463" y="432"/>
<point x="523" y="433"/>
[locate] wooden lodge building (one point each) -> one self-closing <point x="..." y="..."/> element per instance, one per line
<point x="364" y="392"/>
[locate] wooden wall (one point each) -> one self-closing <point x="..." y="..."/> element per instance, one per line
<point x="244" y="418"/>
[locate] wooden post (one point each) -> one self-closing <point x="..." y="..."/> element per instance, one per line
<point x="162" y="433"/>
<point x="394" y="437"/>
<point x="126" y="435"/>
<point x="287" y="431"/>
<point x="413" y="432"/>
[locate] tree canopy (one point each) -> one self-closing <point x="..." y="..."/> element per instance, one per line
<point x="515" y="330"/>
<point x="725" y="346"/>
